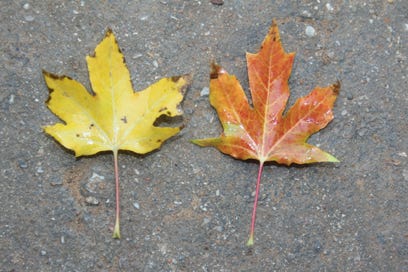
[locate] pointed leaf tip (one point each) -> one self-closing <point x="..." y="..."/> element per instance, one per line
<point x="331" y="158"/>
<point x="274" y="29"/>
<point x="108" y="32"/>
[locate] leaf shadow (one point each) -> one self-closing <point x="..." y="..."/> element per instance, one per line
<point x="293" y="165"/>
<point x="169" y="121"/>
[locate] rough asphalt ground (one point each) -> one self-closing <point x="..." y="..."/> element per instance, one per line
<point x="186" y="208"/>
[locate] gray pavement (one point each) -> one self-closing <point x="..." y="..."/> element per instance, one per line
<point x="186" y="208"/>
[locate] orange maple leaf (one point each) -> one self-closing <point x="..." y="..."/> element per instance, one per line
<point x="261" y="131"/>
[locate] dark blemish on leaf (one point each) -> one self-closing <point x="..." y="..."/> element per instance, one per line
<point x="336" y="87"/>
<point x="168" y="113"/>
<point x="158" y="141"/>
<point x="163" y="109"/>
<point x="123" y="58"/>
<point x="91" y="126"/>
<point x="77" y="135"/>
<point x="65" y="94"/>
<point x="108" y="32"/>
<point x="50" y="90"/>
<point x="124" y="119"/>
<point x="120" y="51"/>
<point x="214" y="75"/>
<point x="214" y="71"/>
<point x="175" y="78"/>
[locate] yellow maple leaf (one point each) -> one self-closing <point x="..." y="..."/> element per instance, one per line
<point x="114" y="117"/>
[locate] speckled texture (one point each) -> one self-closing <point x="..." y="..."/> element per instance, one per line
<point x="186" y="208"/>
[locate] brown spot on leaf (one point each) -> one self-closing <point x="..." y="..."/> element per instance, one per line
<point x="336" y="87"/>
<point x="124" y="119"/>
<point x="108" y="32"/>
<point x="175" y="78"/>
<point x="274" y="32"/>
<point x="215" y="68"/>
<point x="91" y="126"/>
<point x="163" y="109"/>
<point x="50" y="90"/>
<point x="213" y="75"/>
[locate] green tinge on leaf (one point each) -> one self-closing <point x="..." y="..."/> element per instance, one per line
<point x="250" y="241"/>
<point x="331" y="158"/>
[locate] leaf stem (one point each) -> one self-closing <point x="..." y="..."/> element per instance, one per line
<point x="116" y="230"/>
<point x="250" y="241"/>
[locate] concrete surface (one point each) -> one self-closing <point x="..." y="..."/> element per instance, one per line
<point x="185" y="208"/>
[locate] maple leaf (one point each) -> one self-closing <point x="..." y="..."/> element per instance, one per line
<point x="261" y="131"/>
<point x="114" y="117"/>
